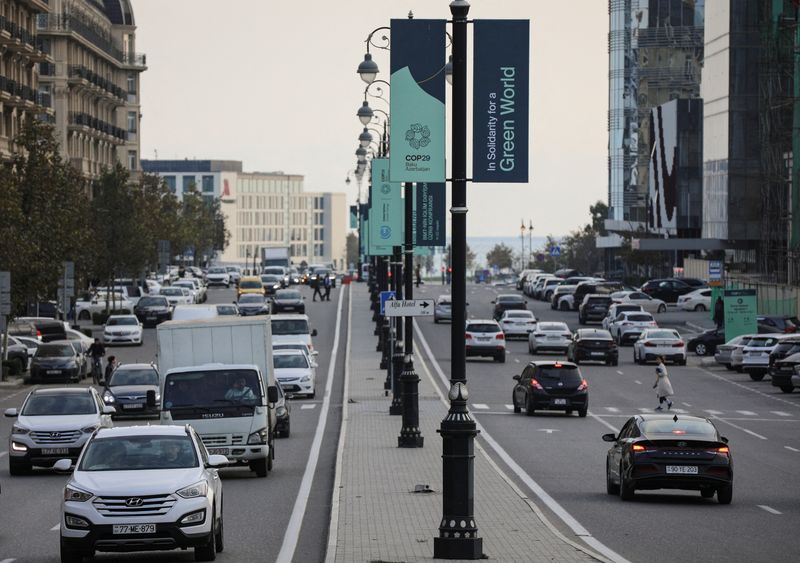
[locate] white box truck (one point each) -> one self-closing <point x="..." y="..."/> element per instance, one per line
<point x="217" y="375"/>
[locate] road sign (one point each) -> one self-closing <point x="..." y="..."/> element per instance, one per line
<point x="740" y="312"/>
<point x="409" y="308"/>
<point x="714" y="270"/>
<point x="385" y="296"/>
<point x="69" y="269"/>
<point x="5" y="293"/>
<point x="555" y="251"/>
<point x="5" y="282"/>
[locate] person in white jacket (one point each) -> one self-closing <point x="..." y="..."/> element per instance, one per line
<point x="663" y="385"/>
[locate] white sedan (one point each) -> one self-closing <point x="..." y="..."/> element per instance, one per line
<point x="517" y="323"/>
<point x="649" y="304"/>
<point x="697" y="300"/>
<point x="295" y="372"/>
<point x="123" y="329"/>
<point x="549" y="336"/>
<point x="659" y="342"/>
<point x="177" y="295"/>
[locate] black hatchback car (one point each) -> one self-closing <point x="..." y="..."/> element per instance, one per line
<point x="551" y="386"/>
<point x="594" y="308"/>
<point x="666" y="451"/>
<point x="593" y="345"/>
<point x="288" y="301"/>
<point x="507" y="302"/>
<point x="668" y="290"/>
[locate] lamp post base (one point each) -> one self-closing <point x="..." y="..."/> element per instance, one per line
<point x="410" y="435"/>
<point x="410" y="438"/>
<point x="457" y="548"/>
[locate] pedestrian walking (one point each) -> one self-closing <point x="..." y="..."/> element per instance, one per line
<point x="327" y="283"/>
<point x="110" y="367"/>
<point x="663" y="385"/>
<point x="719" y="313"/>
<point x="317" y="291"/>
<point x="419" y="275"/>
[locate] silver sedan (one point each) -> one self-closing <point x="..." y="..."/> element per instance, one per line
<point x="549" y="336"/>
<point x="517" y="323"/>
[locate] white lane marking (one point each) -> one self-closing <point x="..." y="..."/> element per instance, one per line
<point x="679" y="411"/>
<point x="780" y="413"/>
<point x="7" y="397"/>
<point x="7" y="560"/>
<point x="516" y="360"/>
<point x="548" y="430"/>
<point x="306" y="407"/>
<point x="751" y="389"/>
<point x="729" y="423"/>
<point x="747" y="413"/>
<point x="641" y="409"/>
<point x="493" y="412"/>
<point x="686" y="404"/>
<point x="510" y="407"/>
<point x="603" y="422"/>
<point x="612" y="409"/>
<point x="55" y="528"/>
<point x="619" y="372"/>
<point x="333" y="528"/>
<point x="637" y="382"/>
<point x="532" y="485"/>
<point x="769" y="509"/>
<point x="292" y="535"/>
<point x="480" y="406"/>
<point x="714" y="412"/>
<point x="790" y="448"/>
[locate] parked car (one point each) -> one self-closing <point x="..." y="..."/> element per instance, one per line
<point x="657" y="343"/>
<point x="288" y="301"/>
<point x="706" y="343"/>
<point x="545" y="385"/>
<point x="549" y="287"/>
<point x="485" y="338"/>
<point x="46" y="329"/>
<point x="668" y="451"/>
<point x="737" y="353"/>
<point x="506" y="302"/>
<point x="755" y="355"/>
<point x="593" y="345"/>
<point x="294" y="372"/>
<point x="54" y="423"/>
<point x="30" y="343"/>
<point x="697" y="300"/>
<point x="553" y="336"/>
<point x="517" y="323"/>
<point x="647" y="303"/>
<point x="694" y="282"/>
<point x="777" y="323"/>
<point x="723" y="352"/>
<point x="123" y="329"/>
<point x="91" y="303"/>
<point x="629" y="325"/>
<point x="56" y="360"/>
<point x="173" y="479"/>
<point x="782" y="370"/>
<point x="127" y="388"/>
<point x="153" y="310"/>
<point x="668" y="290"/>
<point x="17" y="354"/>
<point x="593" y="308"/>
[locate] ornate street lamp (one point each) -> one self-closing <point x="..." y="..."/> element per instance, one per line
<point x="365" y="138"/>
<point x="368" y="69"/>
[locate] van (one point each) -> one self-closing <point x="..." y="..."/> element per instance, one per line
<point x="292" y="328"/>
<point x="194" y="312"/>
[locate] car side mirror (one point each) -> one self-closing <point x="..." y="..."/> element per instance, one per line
<point x="723" y="439"/>
<point x="109" y="410"/>
<point x="11" y="413"/>
<point x="151" y="398"/>
<point x="314" y="353"/>
<point x="63" y="465"/>
<point x="272" y="394"/>
<point x="515" y="378"/>
<point x="217" y="461"/>
<point x="609" y="437"/>
<point x="314" y="332"/>
<point x="493" y="301"/>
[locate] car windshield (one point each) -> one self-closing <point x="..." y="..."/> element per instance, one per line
<point x="445" y="300"/>
<point x="552" y="327"/>
<point x="596" y="335"/>
<point x="54" y="351"/>
<point x="271" y="279"/>
<point x="217" y="388"/>
<point x="550" y="375"/>
<point x="124" y="376"/>
<point x="60" y="404"/>
<point x="171" y="291"/>
<point x="153" y="302"/>
<point x="509" y="299"/>
<point x="231" y="269"/>
<point x="251" y="299"/>
<point x="519" y="315"/>
<point x="217" y="271"/>
<point x="291" y="346"/>
<point x="135" y="453"/>
<point x="639" y="318"/>
<point x="287" y="295"/>
<point x="663" y="334"/>
<point x="122" y="321"/>
<point x="598" y="301"/>
<point x="250" y="284"/>
<point x="274" y="271"/>
<point x="289" y="326"/>
<point x="623" y="308"/>
<point x="284" y="361"/>
<point x="226" y="310"/>
<point x="483" y="327"/>
<point x="762" y="342"/>
<point x="677" y="426"/>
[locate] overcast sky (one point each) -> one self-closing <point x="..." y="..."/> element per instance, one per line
<point x="272" y="83"/>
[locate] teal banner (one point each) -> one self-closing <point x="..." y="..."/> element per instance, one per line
<point x="386" y="202"/>
<point x="740" y="312"/>
<point x="418" y="101"/>
<point x="353" y="216"/>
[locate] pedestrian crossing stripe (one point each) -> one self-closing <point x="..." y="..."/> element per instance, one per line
<point x="306" y="407"/>
<point x="713" y="412"/>
<point x="747" y="413"/>
<point x="480" y="406"/>
<point x="780" y="413"/>
<point x="624" y="411"/>
<point x="612" y="409"/>
<point x="510" y="407"/>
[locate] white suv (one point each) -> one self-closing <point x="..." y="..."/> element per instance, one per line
<point x="485" y="338"/>
<point x="218" y="275"/>
<point x="143" y="488"/>
<point x="54" y="423"/>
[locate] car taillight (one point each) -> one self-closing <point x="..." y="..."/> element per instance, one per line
<point x="583" y="386"/>
<point x="538" y="335"/>
<point x="468" y="336"/>
<point x="725" y="450"/>
<point x="638" y="448"/>
<point x="790" y="329"/>
<point x="500" y="336"/>
<point x="678" y="344"/>
<point x="38" y="334"/>
<point x="535" y="384"/>
<point x="567" y="335"/>
<point x="650" y="344"/>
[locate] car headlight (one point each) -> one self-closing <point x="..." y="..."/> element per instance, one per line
<point x="90" y="429"/>
<point x="17" y="429"/>
<point x="194" y="517"/>
<point x="305" y="379"/>
<point x="280" y="411"/>
<point x="108" y="397"/>
<point x="199" y="489"/>
<point x="158" y="396"/>
<point x="258" y="437"/>
<point x="76" y="495"/>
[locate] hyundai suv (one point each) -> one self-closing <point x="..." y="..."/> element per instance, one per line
<point x="143" y="488"/>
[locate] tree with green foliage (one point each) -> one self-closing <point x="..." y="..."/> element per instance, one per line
<point x="500" y="256"/>
<point x="352" y="248"/>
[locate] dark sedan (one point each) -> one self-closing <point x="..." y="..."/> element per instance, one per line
<point x="507" y="302"/>
<point x="705" y="343"/>
<point x="127" y="390"/>
<point x="153" y="310"/>
<point x="56" y="361"/>
<point x="288" y="301"/>
<point x="551" y="386"/>
<point x="668" y="290"/>
<point x="666" y="451"/>
<point x="17" y="354"/>
<point x="272" y="283"/>
<point x="782" y="369"/>
<point x="252" y="304"/>
<point x="593" y="345"/>
<point x="282" y="414"/>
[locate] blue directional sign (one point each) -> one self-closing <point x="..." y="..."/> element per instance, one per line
<point x="385" y="296"/>
<point x="555" y="251"/>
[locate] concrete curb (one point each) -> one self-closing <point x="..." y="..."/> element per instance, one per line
<point x="13" y="381"/>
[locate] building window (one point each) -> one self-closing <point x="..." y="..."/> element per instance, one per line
<point x="208" y="184"/>
<point x="132" y="160"/>
<point x="170" y="181"/>
<point x="132" y="84"/>
<point x="188" y="184"/>
<point x="131" y="122"/>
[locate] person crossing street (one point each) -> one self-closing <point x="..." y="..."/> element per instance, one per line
<point x="663" y="385"/>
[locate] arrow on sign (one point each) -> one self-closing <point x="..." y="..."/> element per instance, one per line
<point x="408" y="307"/>
<point x="548" y="430"/>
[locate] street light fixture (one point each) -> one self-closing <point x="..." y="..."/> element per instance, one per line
<point x="365" y="113"/>
<point x="368" y="69"/>
<point x="522" y="243"/>
<point x="365" y="138"/>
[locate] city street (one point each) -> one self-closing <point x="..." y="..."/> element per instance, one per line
<point x="566" y="457"/>
<point x="258" y="512"/>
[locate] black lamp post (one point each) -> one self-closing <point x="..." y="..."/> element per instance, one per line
<point x="458" y="532"/>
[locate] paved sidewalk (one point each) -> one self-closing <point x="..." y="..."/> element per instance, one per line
<point x="376" y="517"/>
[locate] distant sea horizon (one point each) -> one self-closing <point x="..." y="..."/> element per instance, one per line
<point x="481" y="245"/>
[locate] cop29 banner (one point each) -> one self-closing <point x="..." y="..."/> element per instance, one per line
<point x="429" y="214"/>
<point x="386" y="210"/>
<point x="417" y="101"/>
<point x="500" y="104"/>
<point x="353" y="216"/>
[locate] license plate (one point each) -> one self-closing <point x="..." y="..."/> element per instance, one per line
<point x="559" y="401"/>
<point x="133" y="406"/>
<point x="288" y="308"/>
<point x="598" y="353"/>
<point x="55" y="451"/>
<point x="53" y="371"/>
<point x="134" y="529"/>
<point x="682" y="469"/>
<point x="151" y="317"/>
<point x="218" y="451"/>
<point x="552" y="338"/>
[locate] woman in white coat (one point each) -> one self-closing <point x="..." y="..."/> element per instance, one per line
<point x="663" y="385"/>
